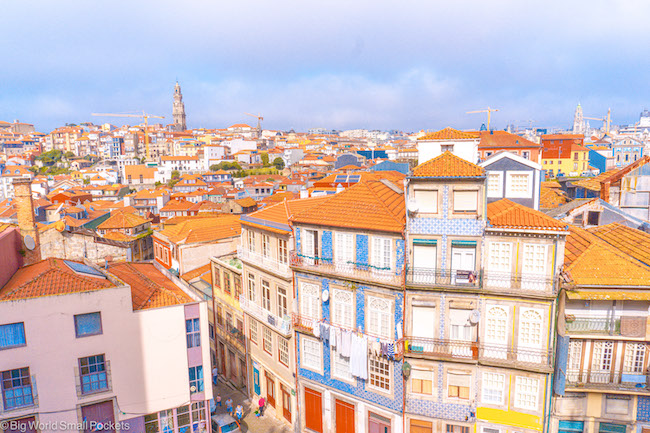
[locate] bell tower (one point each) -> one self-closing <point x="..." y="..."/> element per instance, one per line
<point x="178" y="111"/>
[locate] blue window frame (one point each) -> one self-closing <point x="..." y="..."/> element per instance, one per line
<point x="88" y="324"/>
<point x="92" y="371"/>
<point x="193" y="330"/>
<point x="196" y="379"/>
<point x="12" y="335"/>
<point x="17" y="388"/>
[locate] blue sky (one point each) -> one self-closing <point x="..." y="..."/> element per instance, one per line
<point x="404" y="64"/>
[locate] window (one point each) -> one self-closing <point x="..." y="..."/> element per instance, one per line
<point x="92" y="371"/>
<point x="593" y="218"/>
<point x="379" y="372"/>
<point x="575" y="156"/>
<point x="198" y="412"/>
<point x="575" y="353"/>
<point x="500" y="256"/>
<point x="88" y="324"/>
<point x="497" y="325"/>
<point x="458" y="385"/>
<point x="344" y="248"/>
<point x="266" y="246"/>
<point x="530" y="328"/>
<point x="283" y="251"/>
<point x="268" y="341"/>
<point x="460" y="327"/>
<point x="519" y="185"/>
<point x="526" y="392"/>
<point x="426" y="200"/>
<point x="229" y="321"/>
<point x="17" y="388"/>
<point x="422" y="382"/>
<point x="193" y="331"/>
<point x="343" y="308"/>
<point x="226" y="282"/>
<point x="340" y="365"/>
<point x="251" y="241"/>
<point x="283" y="351"/>
<point x="534" y="259"/>
<point x="310" y="246"/>
<point x="166" y="421"/>
<point x="12" y="335"/>
<point x="494" y="184"/>
<point x="312" y="356"/>
<point x="282" y="301"/>
<point x="151" y="423"/>
<point x="251" y="287"/>
<point x="381" y="253"/>
<point x="379" y="320"/>
<point x="211" y="331"/>
<point x="525" y="154"/>
<point x="634" y="357"/>
<point x="310" y="300"/>
<point x="578" y="219"/>
<point x="465" y="201"/>
<point x="219" y="316"/>
<point x="266" y="295"/>
<point x="196" y="379"/>
<point x="602" y="356"/>
<point x="253" y="330"/>
<point x="446" y="148"/>
<point x="452" y="428"/>
<point x="493" y="385"/>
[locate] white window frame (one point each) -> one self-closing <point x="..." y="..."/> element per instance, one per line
<point x="499" y="379"/>
<point x="266" y="295"/>
<point x="283" y="305"/>
<point x="283" y="251"/>
<point x="343" y="308"/>
<point x="310" y="300"/>
<point x="283" y="351"/>
<point x="344" y="247"/>
<point x="379" y="322"/>
<point x="521" y="392"/>
<point x="529" y="319"/>
<point x="499" y="184"/>
<point x="266" y="246"/>
<point x="316" y="347"/>
<point x="634" y="358"/>
<point x="423" y="205"/>
<point x="376" y="365"/>
<point x="382" y="254"/>
<point x="340" y="366"/>
<point x="253" y="330"/>
<point x="251" y="241"/>
<point x="267" y="340"/>
<point x="529" y="186"/>
<point x="252" y="295"/>
<point x="465" y="211"/>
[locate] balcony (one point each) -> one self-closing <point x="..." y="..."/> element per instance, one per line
<point x="346" y="270"/>
<point x="268" y="263"/>
<point x="527" y="284"/>
<point x="538" y="359"/>
<point x="593" y="325"/>
<point x="443" y="278"/>
<point x="280" y="325"/>
<point x="608" y="380"/>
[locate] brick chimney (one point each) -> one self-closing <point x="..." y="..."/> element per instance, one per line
<point x="26" y="221"/>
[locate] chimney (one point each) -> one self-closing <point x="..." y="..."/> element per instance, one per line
<point x="339" y="188"/>
<point x="303" y="192"/>
<point x="26" y="222"/>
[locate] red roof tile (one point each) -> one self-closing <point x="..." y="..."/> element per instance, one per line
<point x="510" y="215"/>
<point x="448" y="165"/>
<point x="450" y="134"/>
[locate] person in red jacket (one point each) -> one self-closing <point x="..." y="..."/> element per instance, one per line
<point x="261" y="404"/>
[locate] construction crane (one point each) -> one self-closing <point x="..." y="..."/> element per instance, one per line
<point x="488" y="110"/>
<point x="259" y="121"/>
<point x="606" y="120"/>
<point x="143" y="116"/>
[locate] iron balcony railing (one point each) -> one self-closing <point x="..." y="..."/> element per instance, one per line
<point x="520" y="283"/>
<point x="472" y="350"/>
<point x="443" y="277"/>
<point x="616" y="380"/>
<point x="593" y="325"/>
<point x="280" y="325"/>
<point x="265" y="262"/>
<point x="360" y="271"/>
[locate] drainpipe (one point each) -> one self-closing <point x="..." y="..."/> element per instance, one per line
<point x="297" y="421"/>
<point x="404" y="272"/>
<point x="552" y="339"/>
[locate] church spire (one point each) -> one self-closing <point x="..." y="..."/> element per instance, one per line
<point x="178" y="111"/>
<point x="578" y="121"/>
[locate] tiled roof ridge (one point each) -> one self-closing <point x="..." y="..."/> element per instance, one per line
<point x="389" y="210"/>
<point x="151" y="284"/>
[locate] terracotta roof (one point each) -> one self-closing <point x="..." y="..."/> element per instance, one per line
<point x="510" y="215"/>
<point x="246" y="202"/>
<point x="448" y="165"/>
<point x="593" y="183"/>
<point x="590" y="261"/>
<point x="50" y="277"/>
<point x="122" y="220"/>
<point x="198" y="272"/>
<point x="203" y="229"/>
<point x="177" y="205"/>
<point x="282" y="212"/>
<point x="450" y="134"/>
<point x="373" y="205"/>
<point x="136" y="170"/>
<point x="551" y="197"/>
<point x="504" y="139"/>
<point x="149" y="287"/>
<point x="633" y="242"/>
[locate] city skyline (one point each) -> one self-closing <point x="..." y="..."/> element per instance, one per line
<point x="341" y="66"/>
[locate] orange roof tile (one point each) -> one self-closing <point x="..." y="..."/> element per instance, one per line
<point x="374" y="205"/>
<point x="123" y="220"/>
<point x="551" y="197"/>
<point x="203" y="229"/>
<point x="503" y="140"/>
<point x="633" y="242"/>
<point x="589" y="260"/>
<point x="450" y="134"/>
<point x="448" y="165"/>
<point x="510" y="215"/>
<point x="246" y="202"/>
<point x="593" y="183"/>
<point x="149" y="287"/>
<point x="281" y="212"/>
<point x="50" y="277"/>
<point x="188" y="276"/>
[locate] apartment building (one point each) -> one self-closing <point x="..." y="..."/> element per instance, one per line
<point x="100" y="358"/>
<point x="348" y="271"/>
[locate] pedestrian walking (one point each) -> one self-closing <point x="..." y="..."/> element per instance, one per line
<point x="239" y="413"/>
<point x="261" y="404"/>
<point x="213" y="406"/>
<point x="215" y="375"/>
<point x="229" y="406"/>
<point x="219" y="400"/>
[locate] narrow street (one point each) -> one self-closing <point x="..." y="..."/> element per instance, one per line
<point x="250" y="423"/>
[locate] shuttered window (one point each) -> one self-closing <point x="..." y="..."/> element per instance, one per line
<point x="343" y="311"/>
<point x="309" y="300"/>
<point x="381" y="253"/>
<point x="379" y="320"/>
<point x="426" y="201"/>
<point x="344" y="252"/>
<point x="465" y="201"/>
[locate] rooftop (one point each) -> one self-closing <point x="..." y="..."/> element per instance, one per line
<point x="450" y="134"/>
<point x="448" y="165"/>
<point x="631" y="241"/>
<point x="510" y="215"/>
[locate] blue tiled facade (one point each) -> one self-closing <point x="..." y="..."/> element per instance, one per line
<point x="399" y="260"/>
<point x="326" y="247"/>
<point x="359" y="389"/>
<point x="643" y="409"/>
<point x="362" y="249"/>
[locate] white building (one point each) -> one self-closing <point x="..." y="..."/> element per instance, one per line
<point x="462" y="144"/>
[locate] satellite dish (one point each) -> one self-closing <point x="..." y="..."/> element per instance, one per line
<point x="29" y="242"/>
<point x="325" y="295"/>
<point x="193" y="388"/>
<point x="474" y="317"/>
<point x="412" y="206"/>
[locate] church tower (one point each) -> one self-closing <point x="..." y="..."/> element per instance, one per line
<point x="578" y="121"/>
<point x="179" y="109"/>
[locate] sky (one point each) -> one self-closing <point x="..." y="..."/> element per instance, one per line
<point x="405" y="65"/>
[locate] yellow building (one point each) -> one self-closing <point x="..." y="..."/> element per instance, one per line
<point x="570" y="159"/>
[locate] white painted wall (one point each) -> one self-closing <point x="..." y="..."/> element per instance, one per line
<point x="466" y="149"/>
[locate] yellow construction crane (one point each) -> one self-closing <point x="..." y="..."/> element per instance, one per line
<point x="143" y="116"/>
<point x="488" y="110"/>
<point x="259" y="121"/>
<point x="606" y="120"/>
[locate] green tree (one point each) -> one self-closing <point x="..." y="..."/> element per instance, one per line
<point x="278" y="163"/>
<point x="86" y="181"/>
<point x="69" y="155"/>
<point x="176" y="174"/>
<point x="265" y="159"/>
